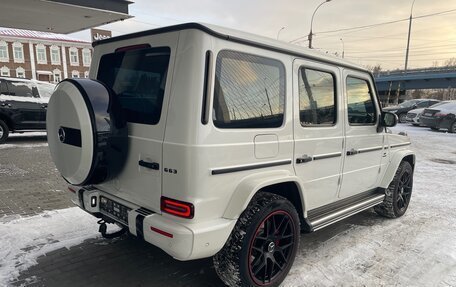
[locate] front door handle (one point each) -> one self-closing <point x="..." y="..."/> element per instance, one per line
<point x="151" y="165"/>
<point x="305" y="158"/>
<point x="352" y="152"/>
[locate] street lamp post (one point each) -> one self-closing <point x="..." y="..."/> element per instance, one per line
<point x="343" y="48"/>
<point x="278" y="33"/>
<point x="311" y="22"/>
<point x="408" y="39"/>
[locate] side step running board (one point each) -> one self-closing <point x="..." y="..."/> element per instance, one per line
<point x="322" y="220"/>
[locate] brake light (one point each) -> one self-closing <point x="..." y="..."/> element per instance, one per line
<point x="440" y="115"/>
<point x="177" y="207"/>
<point x="133" y="47"/>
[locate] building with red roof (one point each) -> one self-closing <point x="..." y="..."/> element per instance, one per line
<point x="43" y="56"/>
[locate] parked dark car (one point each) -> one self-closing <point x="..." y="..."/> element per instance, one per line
<point x="402" y="109"/>
<point x="23" y="105"/>
<point x="441" y="117"/>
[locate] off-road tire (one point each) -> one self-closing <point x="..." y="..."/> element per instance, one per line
<point x="389" y="207"/>
<point x="4" y="128"/>
<point x="232" y="263"/>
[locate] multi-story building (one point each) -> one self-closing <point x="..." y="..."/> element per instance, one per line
<point x="43" y="56"/>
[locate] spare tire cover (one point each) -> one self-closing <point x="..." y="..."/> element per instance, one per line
<point x="86" y="133"/>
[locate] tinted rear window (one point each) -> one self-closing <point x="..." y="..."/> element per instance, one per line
<point x="138" y="79"/>
<point x="20" y="89"/>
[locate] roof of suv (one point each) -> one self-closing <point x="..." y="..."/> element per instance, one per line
<point x="25" y="80"/>
<point x="243" y="38"/>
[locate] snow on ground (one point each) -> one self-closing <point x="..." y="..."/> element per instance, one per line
<point x="418" y="249"/>
<point x="24" y="239"/>
<point x="16" y="140"/>
<point x="27" y="134"/>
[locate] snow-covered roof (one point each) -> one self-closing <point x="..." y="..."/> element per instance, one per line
<point x="18" y="33"/>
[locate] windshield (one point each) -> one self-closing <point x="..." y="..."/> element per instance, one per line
<point x="45" y="90"/>
<point x="408" y="104"/>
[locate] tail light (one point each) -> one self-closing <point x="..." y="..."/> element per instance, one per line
<point x="440" y="115"/>
<point x="177" y="207"/>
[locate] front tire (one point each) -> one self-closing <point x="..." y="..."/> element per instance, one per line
<point x="263" y="245"/>
<point x="403" y="118"/>
<point x="4" y="131"/>
<point x="398" y="193"/>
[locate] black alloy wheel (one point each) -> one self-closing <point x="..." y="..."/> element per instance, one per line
<point x="403" y="118"/>
<point x="404" y="191"/>
<point x="271" y="247"/>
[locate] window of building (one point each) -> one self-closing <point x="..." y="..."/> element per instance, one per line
<point x="75" y="74"/>
<point x="86" y="57"/>
<point x="20" y="72"/>
<point x="41" y="54"/>
<point x="18" y="50"/>
<point x="249" y="91"/>
<point x="317" y="97"/>
<point x="5" y="71"/>
<point x="74" y="58"/>
<point x="361" y="108"/>
<point x="57" y="75"/>
<point x="86" y="74"/>
<point x="55" y="55"/>
<point x="4" y="55"/>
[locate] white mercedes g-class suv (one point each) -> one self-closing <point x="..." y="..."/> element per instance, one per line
<point x="206" y="141"/>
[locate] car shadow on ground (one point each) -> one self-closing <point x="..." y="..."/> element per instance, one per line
<point x="127" y="261"/>
<point x="21" y="139"/>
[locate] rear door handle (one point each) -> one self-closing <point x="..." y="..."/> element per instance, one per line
<point x="151" y="165"/>
<point x="352" y="152"/>
<point x="305" y="158"/>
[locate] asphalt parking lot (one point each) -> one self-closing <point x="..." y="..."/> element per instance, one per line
<point x="364" y="250"/>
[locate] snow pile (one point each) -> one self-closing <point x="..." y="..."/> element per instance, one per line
<point x="23" y="240"/>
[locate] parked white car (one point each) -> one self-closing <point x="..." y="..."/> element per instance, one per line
<point x="206" y="141"/>
<point x="413" y="116"/>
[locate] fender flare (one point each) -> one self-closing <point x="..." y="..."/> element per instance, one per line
<point x="395" y="161"/>
<point x="250" y="185"/>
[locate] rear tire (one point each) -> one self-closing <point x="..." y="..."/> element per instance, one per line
<point x="398" y="193"/>
<point x="262" y="246"/>
<point x="4" y="131"/>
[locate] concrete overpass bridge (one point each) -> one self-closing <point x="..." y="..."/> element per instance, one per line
<point x="393" y="83"/>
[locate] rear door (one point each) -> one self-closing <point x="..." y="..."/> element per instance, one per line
<point x="318" y="130"/>
<point x="139" y="72"/>
<point x="364" y="145"/>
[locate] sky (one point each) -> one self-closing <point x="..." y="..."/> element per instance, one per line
<point x="433" y="38"/>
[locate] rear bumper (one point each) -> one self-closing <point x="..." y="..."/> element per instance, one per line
<point x="430" y="122"/>
<point x="183" y="241"/>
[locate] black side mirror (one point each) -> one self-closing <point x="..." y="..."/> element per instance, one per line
<point x="387" y="120"/>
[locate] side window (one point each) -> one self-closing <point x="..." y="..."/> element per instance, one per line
<point x="423" y="104"/>
<point x="317" y="98"/>
<point x="361" y="109"/>
<point x="20" y="89"/>
<point x="249" y="91"/>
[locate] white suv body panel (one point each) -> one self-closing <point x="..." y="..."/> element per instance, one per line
<point x="219" y="170"/>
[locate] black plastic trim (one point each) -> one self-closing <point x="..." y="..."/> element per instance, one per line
<point x="206" y="86"/>
<point x="249" y="167"/>
<point x="325" y="156"/>
<point x="140" y="226"/>
<point x="399" y="145"/>
<point x="150" y="165"/>
<point x="71" y="136"/>
<point x="343" y="203"/>
<point x="211" y="32"/>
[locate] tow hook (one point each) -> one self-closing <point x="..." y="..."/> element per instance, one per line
<point x="103" y="228"/>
